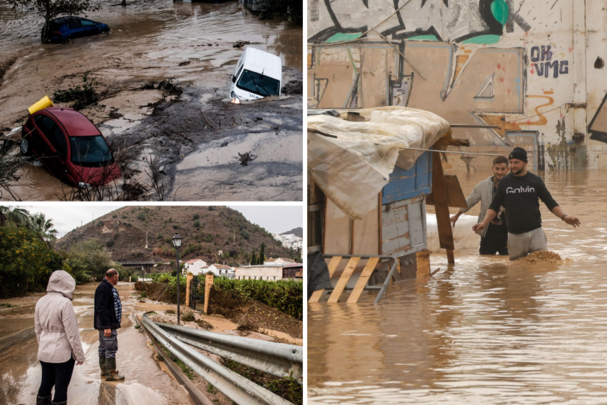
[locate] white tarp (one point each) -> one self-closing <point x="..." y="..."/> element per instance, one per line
<point x="352" y="168"/>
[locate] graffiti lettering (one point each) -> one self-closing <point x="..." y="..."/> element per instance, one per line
<point x="544" y="55"/>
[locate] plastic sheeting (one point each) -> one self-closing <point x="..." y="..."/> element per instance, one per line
<point x="352" y="168"/>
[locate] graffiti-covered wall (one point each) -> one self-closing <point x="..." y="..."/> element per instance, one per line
<point x="529" y="73"/>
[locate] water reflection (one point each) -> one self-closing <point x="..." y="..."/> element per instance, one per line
<point x="485" y="330"/>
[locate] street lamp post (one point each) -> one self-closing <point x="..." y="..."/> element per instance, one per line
<point x="177" y="244"/>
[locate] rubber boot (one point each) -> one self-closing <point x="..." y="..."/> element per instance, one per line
<point x="43" y="400"/>
<point x="102" y="367"/>
<point x="112" y="373"/>
<point x="59" y="403"/>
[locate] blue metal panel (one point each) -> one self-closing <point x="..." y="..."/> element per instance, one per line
<point x="406" y="184"/>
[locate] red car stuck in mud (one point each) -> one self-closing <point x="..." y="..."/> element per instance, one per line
<point x="70" y="146"/>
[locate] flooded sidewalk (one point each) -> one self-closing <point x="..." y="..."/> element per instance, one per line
<point x="147" y="381"/>
<point x="485" y="330"/>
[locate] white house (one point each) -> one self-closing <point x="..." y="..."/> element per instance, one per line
<point x="221" y="270"/>
<point x="196" y="266"/>
<point x="279" y="261"/>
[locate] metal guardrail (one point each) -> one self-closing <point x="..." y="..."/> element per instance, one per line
<point x="275" y="358"/>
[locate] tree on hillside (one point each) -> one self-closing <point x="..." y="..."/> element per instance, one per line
<point x="51" y="9"/>
<point x="253" y="258"/>
<point x="262" y="253"/>
<point x="88" y="259"/>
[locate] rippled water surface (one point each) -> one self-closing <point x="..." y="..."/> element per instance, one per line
<point x="485" y="330"/>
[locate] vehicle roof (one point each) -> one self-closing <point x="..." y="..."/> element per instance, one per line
<point x="263" y="62"/>
<point x="74" y="122"/>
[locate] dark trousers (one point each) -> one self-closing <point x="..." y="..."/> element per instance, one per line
<point x="58" y="375"/>
<point x="495" y="241"/>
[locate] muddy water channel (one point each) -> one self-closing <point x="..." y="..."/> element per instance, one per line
<point x="196" y="45"/>
<point x="485" y="330"/>
<point x="146" y="381"/>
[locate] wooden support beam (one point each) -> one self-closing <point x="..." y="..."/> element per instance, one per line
<point x="441" y="205"/>
<point x="332" y="267"/>
<point x="363" y="280"/>
<point x="343" y="280"/>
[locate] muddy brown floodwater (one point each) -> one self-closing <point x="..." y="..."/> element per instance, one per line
<point x="485" y="330"/>
<point x="196" y="45"/>
<point x="146" y="382"/>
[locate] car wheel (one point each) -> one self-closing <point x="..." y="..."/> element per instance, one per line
<point x="26" y="149"/>
<point x="105" y="31"/>
<point x="67" y="40"/>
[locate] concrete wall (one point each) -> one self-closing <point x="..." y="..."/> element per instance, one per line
<point x="535" y="69"/>
<point x="271" y="273"/>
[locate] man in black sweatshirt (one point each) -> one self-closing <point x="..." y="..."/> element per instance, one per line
<point x="518" y="192"/>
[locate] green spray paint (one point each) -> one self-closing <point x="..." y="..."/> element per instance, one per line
<point x="339" y="37"/>
<point x="500" y="11"/>
<point x="483" y="39"/>
<point x="423" y="38"/>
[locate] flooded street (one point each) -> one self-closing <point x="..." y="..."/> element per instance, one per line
<point x="485" y="330"/>
<point x="147" y="382"/>
<point x="197" y="45"/>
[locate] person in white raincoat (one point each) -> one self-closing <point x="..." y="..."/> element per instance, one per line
<point x="59" y="345"/>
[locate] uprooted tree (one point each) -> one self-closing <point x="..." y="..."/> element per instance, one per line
<point x="51" y="9"/>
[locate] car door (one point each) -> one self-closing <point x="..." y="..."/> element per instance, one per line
<point x="50" y="146"/>
<point x="88" y="27"/>
<point x="75" y="28"/>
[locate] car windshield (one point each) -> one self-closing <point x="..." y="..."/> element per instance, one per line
<point x="90" y="151"/>
<point x="259" y="84"/>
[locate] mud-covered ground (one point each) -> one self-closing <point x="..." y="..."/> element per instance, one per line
<point x="192" y="130"/>
<point x="148" y="380"/>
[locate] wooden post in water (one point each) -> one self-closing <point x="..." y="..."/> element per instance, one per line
<point x="207" y="291"/>
<point x="189" y="278"/>
<point x="441" y="206"/>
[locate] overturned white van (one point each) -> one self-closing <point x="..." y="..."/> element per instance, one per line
<point x="258" y="74"/>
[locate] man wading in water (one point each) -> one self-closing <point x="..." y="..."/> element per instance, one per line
<point x="494" y="239"/>
<point x="518" y="192"/>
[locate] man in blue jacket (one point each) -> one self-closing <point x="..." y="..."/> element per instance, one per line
<point x="108" y="313"/>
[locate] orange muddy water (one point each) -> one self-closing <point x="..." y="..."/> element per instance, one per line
<point x="484" y="331"/>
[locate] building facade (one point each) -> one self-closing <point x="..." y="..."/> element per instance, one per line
<point x="515" y="72"/>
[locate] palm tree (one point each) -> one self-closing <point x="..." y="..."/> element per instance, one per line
<point x="43" y="227"/>
<point x="16" y="216"/>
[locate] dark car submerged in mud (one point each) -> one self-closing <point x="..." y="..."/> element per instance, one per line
<point x="67" y="28"/>
<point x="70" y="147"/>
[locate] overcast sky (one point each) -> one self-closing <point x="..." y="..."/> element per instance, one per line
<point x="67" y="216"/>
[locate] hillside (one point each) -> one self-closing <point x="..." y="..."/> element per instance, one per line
<point x="205" y="231"/>
<point x="294" y="231"/>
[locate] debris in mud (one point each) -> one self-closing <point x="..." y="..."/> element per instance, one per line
<point x="83" y="96"/>
<point x="187" y="62"/>
<point x="115" y="114"/>
<point x="224" y="144"/>
<point x="169" y="87"/>
<point x="544" y="256"/>
<point x="240" y="44"/>
<point x="248" y="325"/>
<point x="293" y="87"/>
<point x="204" y="324"/>
<point x="246" y="158"/>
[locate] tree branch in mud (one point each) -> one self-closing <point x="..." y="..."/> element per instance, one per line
<point x="153" y="172"/>
<point x="9" y="166"/>
<point x="52" y="9"/>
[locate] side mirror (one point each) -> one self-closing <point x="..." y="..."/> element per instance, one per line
<point x="233" y="79"/>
